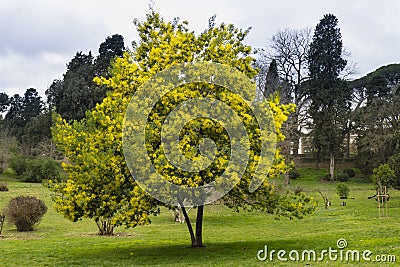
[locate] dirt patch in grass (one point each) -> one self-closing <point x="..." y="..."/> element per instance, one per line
<point x="115" y="235"/>
<point x="15" y="235"/>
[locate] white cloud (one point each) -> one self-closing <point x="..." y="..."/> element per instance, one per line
<point x="19" y="73"/>
<point x="30" y="27"/>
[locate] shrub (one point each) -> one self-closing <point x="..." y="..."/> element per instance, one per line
<point x="24" y="212"/>
<point x="18" y="164"/>
<point x="293" y="174"/>
<point x="350" y="172"/>
<point x="35" y="170"/>
<point x="40" y="169"/>
<point x="3" y="186"/>
<point x="383" y="176"/>
<point x="327" y="177"/>
<point x="342" y="177"/>
<point x="342" y="190"/>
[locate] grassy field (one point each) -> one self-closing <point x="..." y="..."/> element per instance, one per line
<point x="231" y="239"/>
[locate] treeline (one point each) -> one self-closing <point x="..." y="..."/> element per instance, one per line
<point x="335" y="116"/>
<point x="25" y="126"/>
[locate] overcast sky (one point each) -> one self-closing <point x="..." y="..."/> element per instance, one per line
<point x="38" y="37"/>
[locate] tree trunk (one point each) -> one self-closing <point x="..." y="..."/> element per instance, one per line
<point x="317" y="159"/>
<point x="189" y="225"/>
<point x="105" y="226"/>
<point x="286" y="179"/>
<point x="196" y="238"/>
<point x="296" y="133"/>
<point x="296" y="145"/>
<point x="332" y="166"/>
<point x="199" y="227"/>
<point x="2" y="218"/>
<point x="348" y="144"/>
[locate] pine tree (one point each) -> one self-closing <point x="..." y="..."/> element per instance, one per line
<point x="76" y="93"/>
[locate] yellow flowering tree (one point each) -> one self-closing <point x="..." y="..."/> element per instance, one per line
<point x="105" y="184"/>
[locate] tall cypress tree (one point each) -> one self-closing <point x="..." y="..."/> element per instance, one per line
<point x="271" y="79"/>
<point x="329" y="96"/>
<point x="325" y="56"/>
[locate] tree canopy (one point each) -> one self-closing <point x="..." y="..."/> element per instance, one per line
<point x="76" y="93"/>
<point x="100" y="185"/>
<point x="376" y="119"/>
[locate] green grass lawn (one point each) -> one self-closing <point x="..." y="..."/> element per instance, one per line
<point x="231" y="239"/>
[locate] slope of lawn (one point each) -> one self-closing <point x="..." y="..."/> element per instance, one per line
<point x="231" y="239"/>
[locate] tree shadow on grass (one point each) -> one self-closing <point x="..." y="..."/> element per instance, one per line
<point x="214" y="254"/>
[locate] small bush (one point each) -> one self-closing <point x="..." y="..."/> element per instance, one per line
<point x="327" y="177"/>
<point x="293" y="174"/>
<point x="350" y="172"/>
<point x="3" y="186"/>
<point x="18" y="164"/>
<point x="342" y="190"/>
<point x="342" y="177"/>
<point x="40" y="169"/>
<point x="25" y="212"/>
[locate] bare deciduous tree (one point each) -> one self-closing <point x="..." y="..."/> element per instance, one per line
<point x="289" y="48"/>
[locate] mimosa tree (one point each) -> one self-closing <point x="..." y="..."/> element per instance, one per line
<point x="179" y="127"/>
